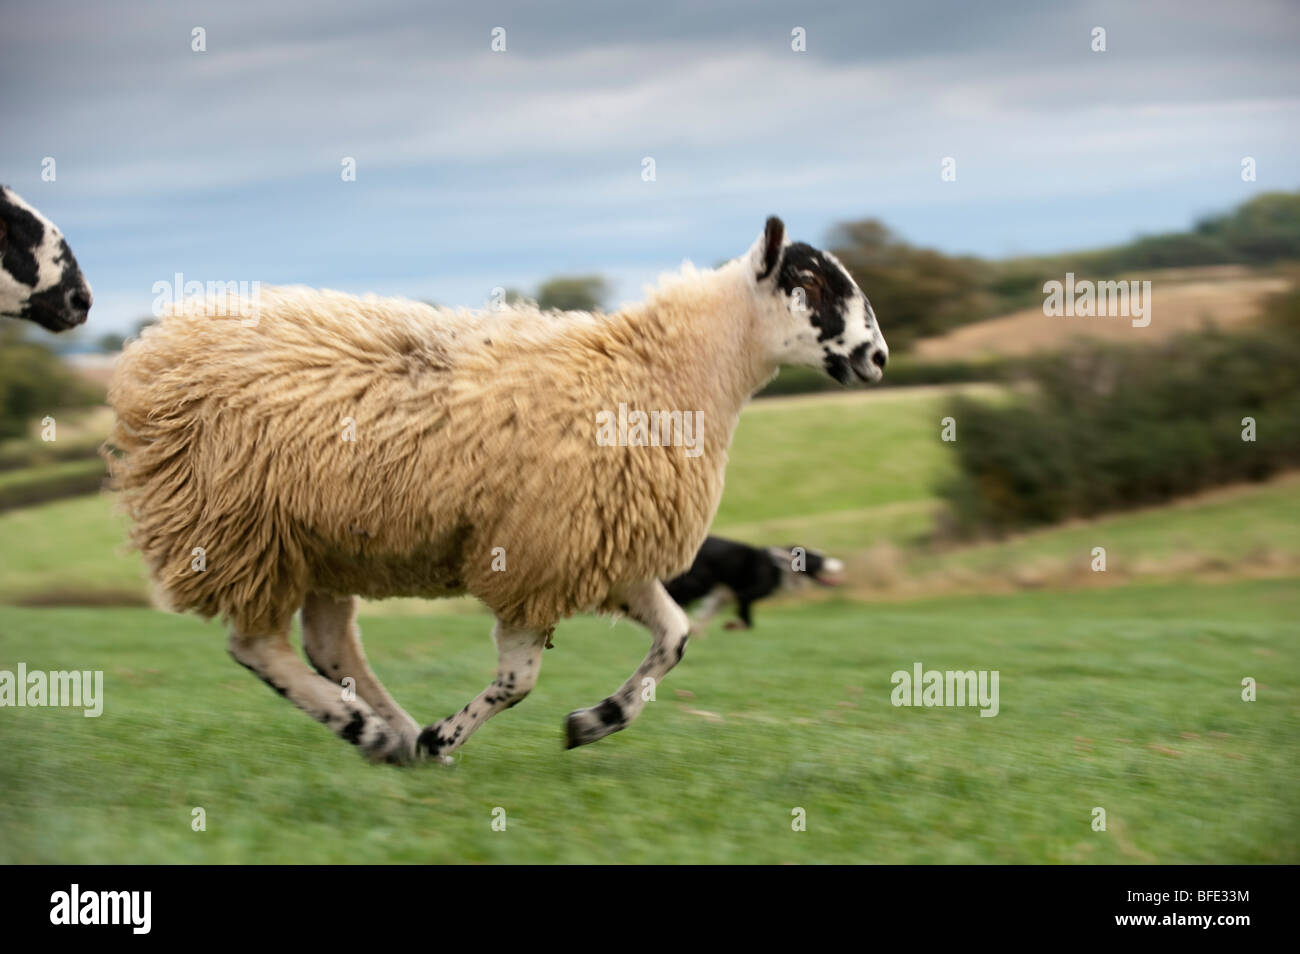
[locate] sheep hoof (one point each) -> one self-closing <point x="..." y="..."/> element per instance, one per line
<point x="394" y="757"/>
<point x="574" y="730"/>
<point x="584" y="726"/>
<point x="403" y="753"/>
<point x="432" y="743"/>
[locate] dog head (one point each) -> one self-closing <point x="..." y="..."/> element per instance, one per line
<point x="799" y="565"/>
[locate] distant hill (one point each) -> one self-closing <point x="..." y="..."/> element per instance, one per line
<point x="1182" y="300"/>
<point x="923" y="293"/>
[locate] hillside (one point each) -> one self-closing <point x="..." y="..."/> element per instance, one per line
<point x="1182" y="300"/>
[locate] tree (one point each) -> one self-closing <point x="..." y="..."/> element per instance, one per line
<point x="109" y="342"/>
<point x="34" y="383"/>
<point x="573" y="293"/>
<point x="916" y="292"/>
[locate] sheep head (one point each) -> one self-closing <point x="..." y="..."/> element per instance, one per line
<point x="810" y="311"/>
<point x="39" y="277"/>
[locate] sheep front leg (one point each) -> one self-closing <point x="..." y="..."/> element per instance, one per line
<point x="519" y="659"/>
<point x="651" y="606"/>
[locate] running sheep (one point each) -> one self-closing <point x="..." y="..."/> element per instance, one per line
<point x="317" y="447"/>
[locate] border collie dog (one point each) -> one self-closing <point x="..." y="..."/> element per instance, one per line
<point x="725" y="570"/>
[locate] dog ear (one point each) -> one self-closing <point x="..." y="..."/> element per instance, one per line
<point x="783" y="558"/>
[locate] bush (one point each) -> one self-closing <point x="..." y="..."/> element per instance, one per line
<point x="1104" y="428"/>
<point x="916" y="292"/>
<point x="34" y="383"/>
<point x="573" y="293"/>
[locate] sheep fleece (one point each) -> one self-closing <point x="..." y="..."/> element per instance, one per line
<point x="473" y="431"/>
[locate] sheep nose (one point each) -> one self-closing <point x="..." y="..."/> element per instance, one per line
<point x="879" y="358"/>
<point x="80" y="300"/>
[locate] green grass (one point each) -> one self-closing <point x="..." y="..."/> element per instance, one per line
<point x="819" y="455"/>
<point x="76" y="545"/>
<point x="1127" y="699"/>
<point x="1243" y="529"/>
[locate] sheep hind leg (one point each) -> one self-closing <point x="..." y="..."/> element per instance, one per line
<point x="331" y="639"/>
<point x="651" y="606"/>
<point x="272" y="659"/>
<point x="519" y="659"/>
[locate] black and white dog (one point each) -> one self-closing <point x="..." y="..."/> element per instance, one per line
<point x="725" y="570"/>
<point x="39" y="277"/>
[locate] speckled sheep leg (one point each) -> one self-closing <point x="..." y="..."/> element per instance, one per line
<point x="650" y="605"/>
<point x="332" y="641"/>
<point x="519" y="653"/>
<point x="272" y="659"/>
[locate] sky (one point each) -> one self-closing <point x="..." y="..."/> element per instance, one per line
<point x="478" y="168"/>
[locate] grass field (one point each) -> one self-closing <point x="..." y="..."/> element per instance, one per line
<point x="1125" y="697"/>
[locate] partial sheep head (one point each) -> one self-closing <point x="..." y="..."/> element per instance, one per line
<point x="39" y="277"/>
<point x="811" y="312"/>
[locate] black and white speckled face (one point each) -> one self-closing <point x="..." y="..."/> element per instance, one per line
<point x="814" y="314"/>
<point x="39" y="277"/>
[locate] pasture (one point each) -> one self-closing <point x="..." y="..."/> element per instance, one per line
<point x="1125" y="697"/>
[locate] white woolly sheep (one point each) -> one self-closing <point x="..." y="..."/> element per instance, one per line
<point x="39" y="277"/>
<point x="318" y="447"/>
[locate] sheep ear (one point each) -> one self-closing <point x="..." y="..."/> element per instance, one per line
<point x="766" y="253"/>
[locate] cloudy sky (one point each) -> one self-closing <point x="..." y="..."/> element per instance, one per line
<point x="477" y="168"/>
